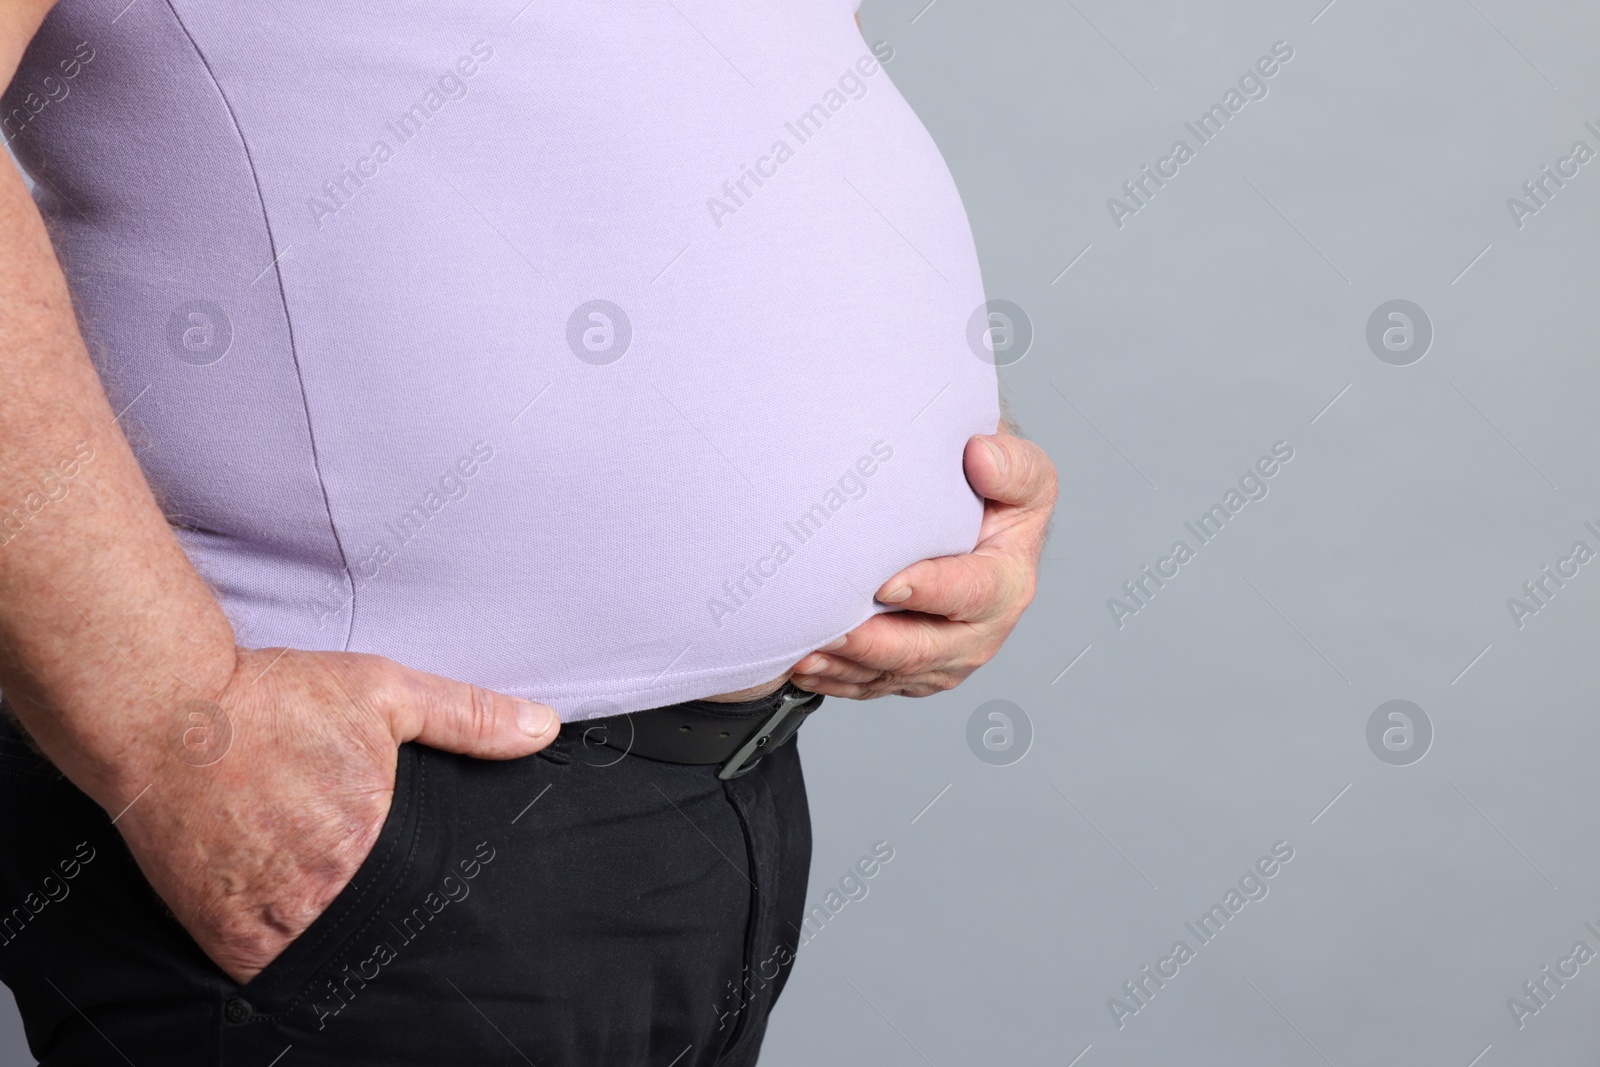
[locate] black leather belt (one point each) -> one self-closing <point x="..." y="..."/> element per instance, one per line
<point x="702" y="732"/>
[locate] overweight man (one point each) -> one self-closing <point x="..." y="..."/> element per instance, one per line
<point x="447" y="452"/>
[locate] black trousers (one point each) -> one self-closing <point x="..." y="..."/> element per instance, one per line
<point x="575" y="908"/>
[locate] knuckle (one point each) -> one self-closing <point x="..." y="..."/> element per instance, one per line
<point x="1041" y="473"/>
<point x="983" y="590"/>
<point x="888" y="654"/>
<point x="977" y="593"/>
<point x="480" y="709"/>
<point x="381" y="683"/>
<point x="855" y="673"/>
<point x="921" y="654"/>
<point x="252" y="942"/>
<point x="1030" y="590"/>
<point x="970" y="660"/>
<point x="1023" y="587"/>
<point x="1024" y="458"/>
<point x="1047" y="466"/>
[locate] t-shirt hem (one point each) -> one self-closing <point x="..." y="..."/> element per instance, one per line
<point x="590" y="702"/>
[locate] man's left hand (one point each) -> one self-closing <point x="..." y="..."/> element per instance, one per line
<point x="958" y="609"/>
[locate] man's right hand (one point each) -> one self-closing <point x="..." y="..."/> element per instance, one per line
<point x="249" y="845"/>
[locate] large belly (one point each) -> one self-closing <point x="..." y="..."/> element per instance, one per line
<point x="622" y="368"/>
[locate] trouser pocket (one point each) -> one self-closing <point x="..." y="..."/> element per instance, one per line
<point x="285" y="992"/>
<point x="569" y="915"/>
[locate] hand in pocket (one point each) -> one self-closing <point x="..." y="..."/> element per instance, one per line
<point x="249" y="844"/>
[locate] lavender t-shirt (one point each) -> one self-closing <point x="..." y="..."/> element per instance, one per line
<point x="607" y="354"/>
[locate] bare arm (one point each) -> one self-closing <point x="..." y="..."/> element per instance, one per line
<point x="104" y="625"/>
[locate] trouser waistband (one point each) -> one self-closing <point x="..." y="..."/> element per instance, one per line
<point x="700" y="732"/>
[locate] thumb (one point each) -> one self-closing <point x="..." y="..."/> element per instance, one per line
<point x="1010" y="470"/>
<point x="459" y="717"/>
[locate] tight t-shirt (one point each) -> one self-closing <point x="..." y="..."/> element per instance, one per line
<point x="605" y="354"/>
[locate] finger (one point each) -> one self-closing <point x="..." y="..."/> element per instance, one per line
<point x="835" y="667"/>
<point x="969" y="588"/>
<point x="1011" y="470"/>
<point x="831" y="687"/>
<point x="921" y="686"/>
<point x="459" y="717"/>
<point x="907" y="643"/>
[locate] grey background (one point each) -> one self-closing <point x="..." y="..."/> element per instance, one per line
<point x="1228" y="714"/>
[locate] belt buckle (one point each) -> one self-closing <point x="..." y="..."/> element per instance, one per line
<point x="777" y="728"/>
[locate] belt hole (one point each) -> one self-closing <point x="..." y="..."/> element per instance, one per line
<point x="723" y="734"/>
<point x="683" y="729"/>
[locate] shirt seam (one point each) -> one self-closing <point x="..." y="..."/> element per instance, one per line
<point x="283" y="298"/>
